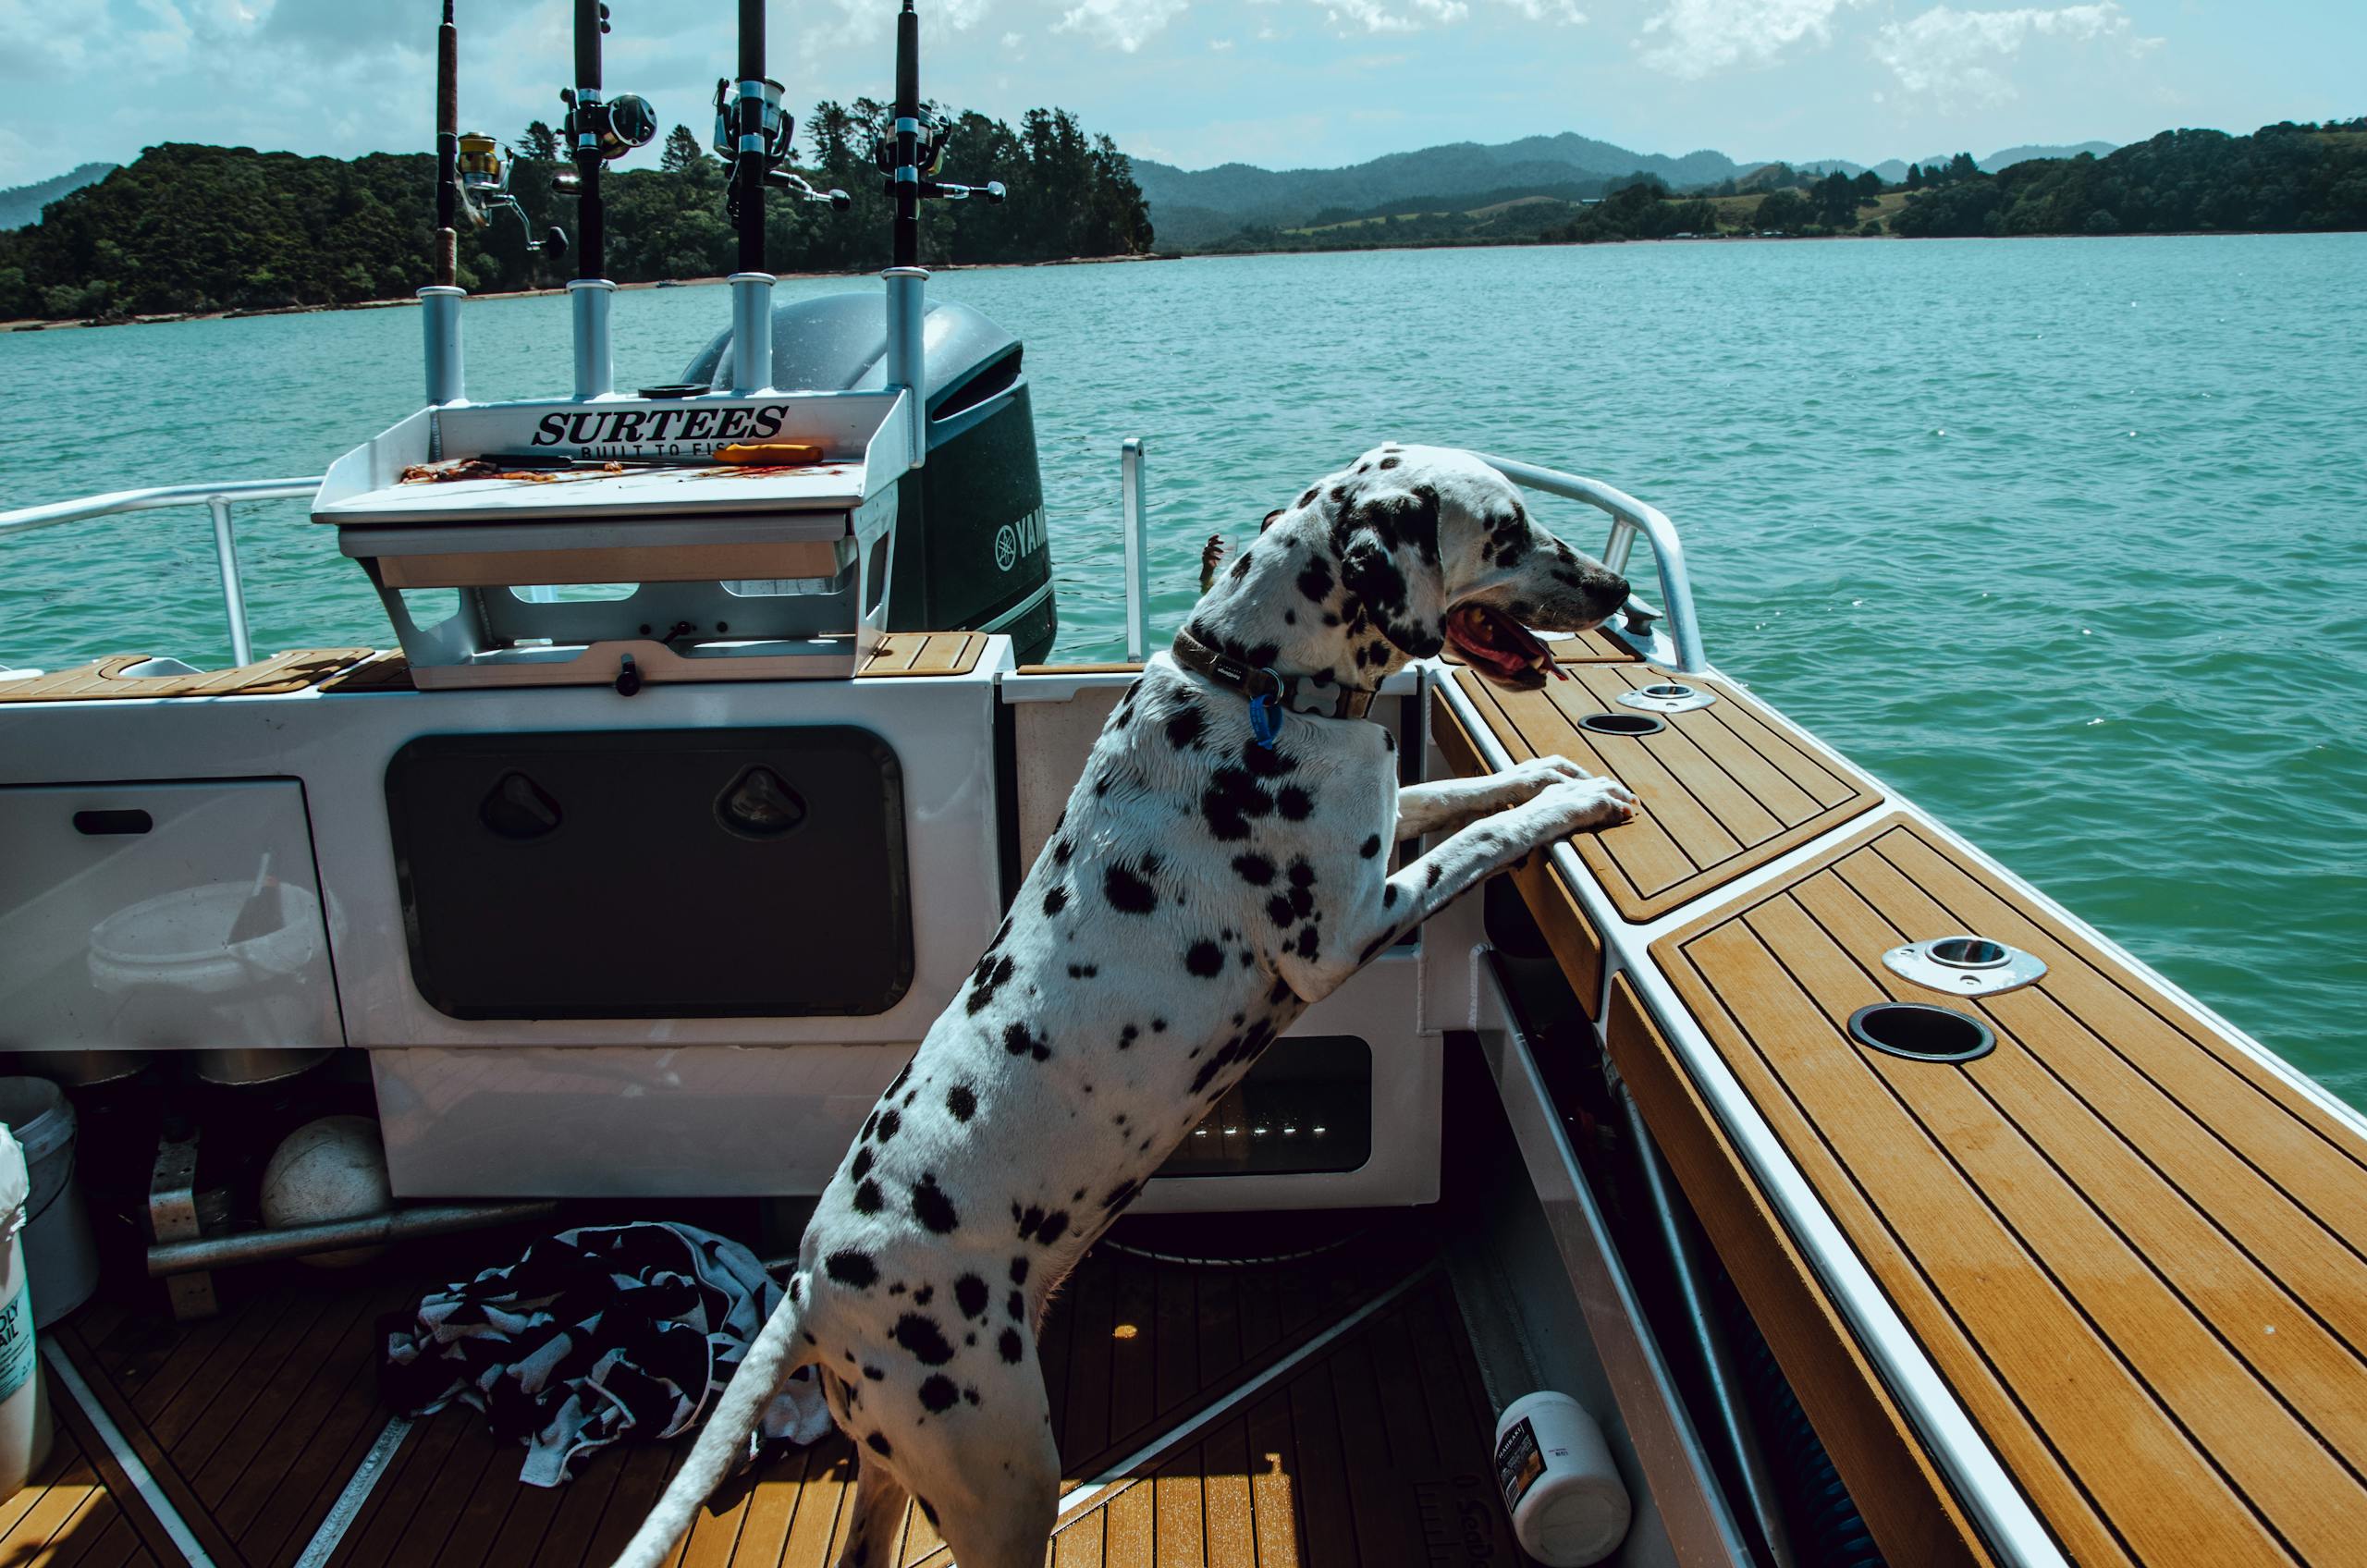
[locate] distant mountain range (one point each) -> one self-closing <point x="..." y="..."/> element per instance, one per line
<point x="22" y="204"/>
<point x="1192" y="206"/>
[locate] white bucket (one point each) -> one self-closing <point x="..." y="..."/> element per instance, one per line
<point x="60" y="1253"/>
<point x="24" y="1408"/>
<point x="1568" y="1505"/>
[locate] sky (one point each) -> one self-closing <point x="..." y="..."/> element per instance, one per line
<point x="1281" y="83"/>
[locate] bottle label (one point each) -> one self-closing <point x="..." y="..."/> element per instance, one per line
<point x="1518" y="1463"/>
<point x="17" y="1341"/>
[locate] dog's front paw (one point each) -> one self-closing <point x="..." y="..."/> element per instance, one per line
<point x="1575" y="805"/>
<point x="1527" y="780"/>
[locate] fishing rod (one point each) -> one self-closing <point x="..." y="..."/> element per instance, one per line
<point x="597" y="130"/>
<point x="448" y="149"/>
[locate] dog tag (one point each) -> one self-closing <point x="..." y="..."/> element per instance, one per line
<point x="1265" y="719"/>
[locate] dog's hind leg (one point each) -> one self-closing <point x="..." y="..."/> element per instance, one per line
<point x="1449" y="804"/>
<point x="990" y="1478"/>
<point x="879" y="1502"/>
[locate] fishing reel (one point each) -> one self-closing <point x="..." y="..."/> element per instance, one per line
<point x="484" y="183"/>
<point x="610" y="127"/>
<point x="751" y="123"/>
<point x="931" y="136"/>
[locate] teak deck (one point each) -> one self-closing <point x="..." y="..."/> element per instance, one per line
<point x="2137" y="1258"/>
<point x="1724" y="789"/>
<point x="1220" y="1414"/>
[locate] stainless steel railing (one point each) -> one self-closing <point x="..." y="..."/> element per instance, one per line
<point x="216" y="499"/>
<point x="1628" y="518"/>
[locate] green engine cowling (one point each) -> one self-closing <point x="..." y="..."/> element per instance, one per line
<point x="971" y="551"/>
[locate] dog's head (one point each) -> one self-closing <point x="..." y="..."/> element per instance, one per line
<point x="1438" y="549"/>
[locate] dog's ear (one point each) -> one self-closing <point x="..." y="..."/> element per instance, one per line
<point x="1368" y="569"/>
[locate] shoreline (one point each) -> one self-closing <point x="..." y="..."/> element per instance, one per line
<point x="43" y="324"/>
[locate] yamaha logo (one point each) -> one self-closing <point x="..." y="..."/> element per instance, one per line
<point x="1014" y="540"/>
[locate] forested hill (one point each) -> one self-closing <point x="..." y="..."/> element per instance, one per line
<point x="219" y="229"/>
<point x="21" y="204"/>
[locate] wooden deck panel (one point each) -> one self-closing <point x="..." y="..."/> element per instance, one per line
<point x="1588" y="647"/>
<point x="2137" y="1258"/>
<point x="71" y="1514"/>
<point x="1724" y="789"/>
<point x="253" y="1422"/>
<point x="102" y="679"/>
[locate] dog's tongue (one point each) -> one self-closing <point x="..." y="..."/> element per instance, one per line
<point x="1488" y="639"/>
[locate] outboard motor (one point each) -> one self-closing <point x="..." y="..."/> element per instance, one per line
<point x="970" y="549"/>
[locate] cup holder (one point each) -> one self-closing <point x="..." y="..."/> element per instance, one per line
<point x="1965" y="965"/>
<point x="1969" y="952"/>
<point x="1920" y="1032"/>
<point x="1630" y="724"/>
<point x="1667" y="696"/>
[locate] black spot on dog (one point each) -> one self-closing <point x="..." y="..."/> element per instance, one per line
<point x="1061" y="851"/>
<point x="1204" y="959"/>
<point x="1056" y="899"/>
<point x="1017" y="1306"/>
<point x="1310" y="941"/>
<point x="970" y="1296"/>
<point x="1056" y="1225"/>
<point x="1009" y="1346"/>
<point x="874" y="1373"/>
<point x="1020" y="1040"/>
<point x="921" y="1336"/>
<point x="932" y="1207"/>
<point x="1083" y="971"/>
<point x="924" y="1295"/>
<point x="1129" y="889"/>
<point x="1315" y="579"/>
<point x="861" y="1166"/>
<point x="1231" y="798"/>
<point x="1388" y="895"/>
<point x="937" y="1393"/>
<point x="990" y="976"/>
<point x="797" y="1289"/>
<point x="1370" y="847"/>
<point x="1240" y="566"/>
<point x="1159" y="1026"/>
<point x="1295" y="804"/>
<point x="963" y="1101"/>
<point x="970" y="1395"/>
<point x="867" y="1198"/>
<point x="1019" y="1270"/>
<point x="1431" y="878"/>
<point x="849" y="1267"/>
<point x="1256" y="870"/>
<point x="1277" y="910"/>
<point x="870" y="1126"/>
<point x="1389" y="462"/>
<point x="888" y="1123"/>
<point x="1186" y="723"/>
<point x="1127" y="1036"/>
<point x="878" y="1445"/>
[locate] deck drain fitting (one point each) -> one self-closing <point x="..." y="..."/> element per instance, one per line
<point x="1965" y="965"/>
<point x="1920" y="1032"/>
<point x="1630" y="724"/>
<point x="1667" y="696"/>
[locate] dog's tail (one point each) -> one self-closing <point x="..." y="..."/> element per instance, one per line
<point x="723" y="1442"/>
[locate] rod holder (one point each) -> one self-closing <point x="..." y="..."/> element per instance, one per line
<point x="596" y="367"/>
<point x="752" y="331"/>
<point x="439" y="312"/>
<point x="907" y="354"/>
<point x="1130" y="491"/>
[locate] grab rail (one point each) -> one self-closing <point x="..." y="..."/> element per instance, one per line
<point x="215" y="499"/>
<point x="1629" y="517"/>
<point x="1136" y="519"/>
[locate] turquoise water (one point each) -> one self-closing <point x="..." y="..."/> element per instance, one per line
<point x="2066" y="539"/>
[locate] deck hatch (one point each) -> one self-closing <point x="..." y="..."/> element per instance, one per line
<point x="748" y="873"/>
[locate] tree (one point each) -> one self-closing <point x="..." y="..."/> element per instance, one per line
<point x="684" y="154"/>
<point x="1870" y="186"/>
<point x="1962" y="168"/>
<point x="1915" y="177"/>
<point x="540" y="142"/>
<point x="1782" y="210"/>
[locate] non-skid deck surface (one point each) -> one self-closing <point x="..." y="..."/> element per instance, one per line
<point x="1372" y="1449"/>
<point x="69" y="1516"/>
<point x="2136" y="1254"/>
<point x="102" y="679"/>
<point x="1724" y="789"/>
<point x="1588" y="647"/>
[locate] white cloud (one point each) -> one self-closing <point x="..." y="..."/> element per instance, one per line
<point x="1128" y="24"/>
<point x="1377" y="16"/>
<point x="1953" y="58"/>
<point x="1698" y="37"/>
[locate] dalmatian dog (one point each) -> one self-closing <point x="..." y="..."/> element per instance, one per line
<point x="1216" y="872"/>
